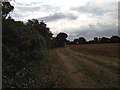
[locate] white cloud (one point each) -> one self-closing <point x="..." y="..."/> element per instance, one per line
<point x="86" y="18"/>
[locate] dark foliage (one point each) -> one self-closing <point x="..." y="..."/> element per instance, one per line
<point x="6" y="8"/>
<point x="60" y="40"/>
<point x="115" y="39"/>
<point x="22" y="47"/>
<point x="25" y="46"/>
<point x="76" y="41"/>
<point x="42" y="28"/>
<point x="82" y="40"/>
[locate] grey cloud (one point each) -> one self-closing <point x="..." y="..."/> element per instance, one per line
<point x="89" y="33"/>
<point x="93" y="8"/>
<point x="107" y="32"/>
<point x="36" y="8"/>
<point x="33" y="3"/>
<point x="90" y="10"/>
<point x="58" y="16"/>
<point x="47" y="7"/>
<point x="22" y="10"/>
<point x="26" y="9"/>
<point x="17" y="15"/>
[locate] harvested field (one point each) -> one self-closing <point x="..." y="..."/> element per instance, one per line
<point x="88" y="66"/>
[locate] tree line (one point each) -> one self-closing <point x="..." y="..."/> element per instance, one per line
<point x="41" y="27"/>
<point x="96" y="40"/>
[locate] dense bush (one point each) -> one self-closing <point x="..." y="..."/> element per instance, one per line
<point x="22" y="47"/>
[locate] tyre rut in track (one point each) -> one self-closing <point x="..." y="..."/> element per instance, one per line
<point x="80" y="79"/>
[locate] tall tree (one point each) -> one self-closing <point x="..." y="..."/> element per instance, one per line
<point x="82" y="40"/>
<point x="76" y="41"/>
<point x="96" y="40"/>
<point x="61" y="38"/>
<point x="6" y="8"/>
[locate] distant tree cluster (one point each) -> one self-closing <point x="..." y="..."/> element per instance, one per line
<point x="82" y="40"/>
<point x="113" y="39"/>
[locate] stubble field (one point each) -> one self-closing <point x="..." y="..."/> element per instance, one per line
<point x="86" y="66"/>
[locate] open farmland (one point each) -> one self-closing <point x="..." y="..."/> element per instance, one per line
<point x="87" y="66"/>
<point x="107" y="50"/>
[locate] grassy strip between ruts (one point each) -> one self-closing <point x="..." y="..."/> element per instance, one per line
<point x="100" y="76"/>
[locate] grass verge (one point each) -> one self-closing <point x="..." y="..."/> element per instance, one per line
<point x="54" y="73"/>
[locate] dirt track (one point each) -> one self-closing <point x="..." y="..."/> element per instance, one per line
<point x="86" y="72"/>
<point x="81" y="80"/>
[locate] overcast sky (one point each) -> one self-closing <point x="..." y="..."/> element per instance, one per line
<point x="77" y="18"/>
